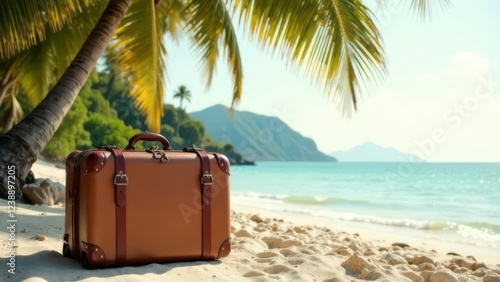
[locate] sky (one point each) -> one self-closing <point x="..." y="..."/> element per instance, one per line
<point x="440" y="99"/>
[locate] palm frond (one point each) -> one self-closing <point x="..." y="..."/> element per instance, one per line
<point x="140" y="53"/>
<point x="13" y="110"/>
<point x="65" y="43"/>
<point x="333" y="42"/>
<point x="24" y="23"/>
<point x="39" y="67"/>
<point x="211" y="29"/>
<point x="173" y="14"/>
<point x="6" y="77"/>
<point x="423" y="8"/>
<point x="34" y="72"/>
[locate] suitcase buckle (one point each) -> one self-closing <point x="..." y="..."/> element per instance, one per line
<point x="121" y="179"/>
<point x="207" y="179"/>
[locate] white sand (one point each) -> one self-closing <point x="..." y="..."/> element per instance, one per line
<point x="298" y="249"/>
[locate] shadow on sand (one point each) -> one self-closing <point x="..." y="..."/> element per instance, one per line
<point x="52" y="266"/>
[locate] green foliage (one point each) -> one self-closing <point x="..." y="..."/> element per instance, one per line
<point x="171" y="115"/>
<point x="70" y="134"/>
<point x="192" y="132"/>
<point x="167" y="131"/>
<point x="177" y="142"/>
<point x="104" y="131"/>
<point x="227" y="149"/>
<point x="96" y="102"/>
<point x="104" y="114"/>
<point x="116" y="92"/>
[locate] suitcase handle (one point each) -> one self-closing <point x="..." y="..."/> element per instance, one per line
<point x="148" y="136"/>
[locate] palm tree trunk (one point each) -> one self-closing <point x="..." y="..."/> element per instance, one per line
<point x="20" y="147"/>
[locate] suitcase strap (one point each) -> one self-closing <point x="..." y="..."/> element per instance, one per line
<point x="207" y="181"/>
<point x="121" y="182"/>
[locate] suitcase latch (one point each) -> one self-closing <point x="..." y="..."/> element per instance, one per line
<point x="207" y="179"/>
<point x="158" y="154"/>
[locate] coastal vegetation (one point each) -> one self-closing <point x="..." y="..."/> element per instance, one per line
<point x="104" y="114"/>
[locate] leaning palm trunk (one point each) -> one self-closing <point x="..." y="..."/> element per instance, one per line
<point x="20" y="147"/>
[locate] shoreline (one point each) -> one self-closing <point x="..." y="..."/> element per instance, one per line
<point x="266" y="246"/>
<point x="384" y="234"/>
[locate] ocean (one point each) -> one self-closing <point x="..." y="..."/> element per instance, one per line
<point x="450" y="202"/>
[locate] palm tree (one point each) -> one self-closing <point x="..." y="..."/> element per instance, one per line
<point x="37" y="68"/>
<point x="334" y="42"/>
<point x="23" y="143"/>
<point x="182" y="94"/>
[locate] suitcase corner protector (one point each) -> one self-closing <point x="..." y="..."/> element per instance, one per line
<point x="224" y="249"/>
<point x="94" y="254"/>
<point x="95" y="160"/>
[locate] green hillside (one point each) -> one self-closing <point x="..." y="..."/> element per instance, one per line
<point x="258" y="137"/>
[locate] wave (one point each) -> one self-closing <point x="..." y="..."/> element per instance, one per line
<point x="308" y="200"/>
<point x="476" y="230"/>
<point x="320" y="207"/>
<point x="303" y="200"/>
<point x="485" y="225"/>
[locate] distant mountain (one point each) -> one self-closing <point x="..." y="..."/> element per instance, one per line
<point x="258" y="137"/>
<point x="371" y="152"/>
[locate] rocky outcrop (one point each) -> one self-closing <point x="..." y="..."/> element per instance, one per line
<point x="44" y="191"/>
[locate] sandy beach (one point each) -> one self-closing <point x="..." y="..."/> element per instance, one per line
<point x="266" y="247"/>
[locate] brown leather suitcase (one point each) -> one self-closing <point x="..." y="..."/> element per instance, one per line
<point x="128" y="207"/>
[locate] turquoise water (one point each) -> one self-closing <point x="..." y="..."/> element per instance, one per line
<point x="458" y="202"/>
